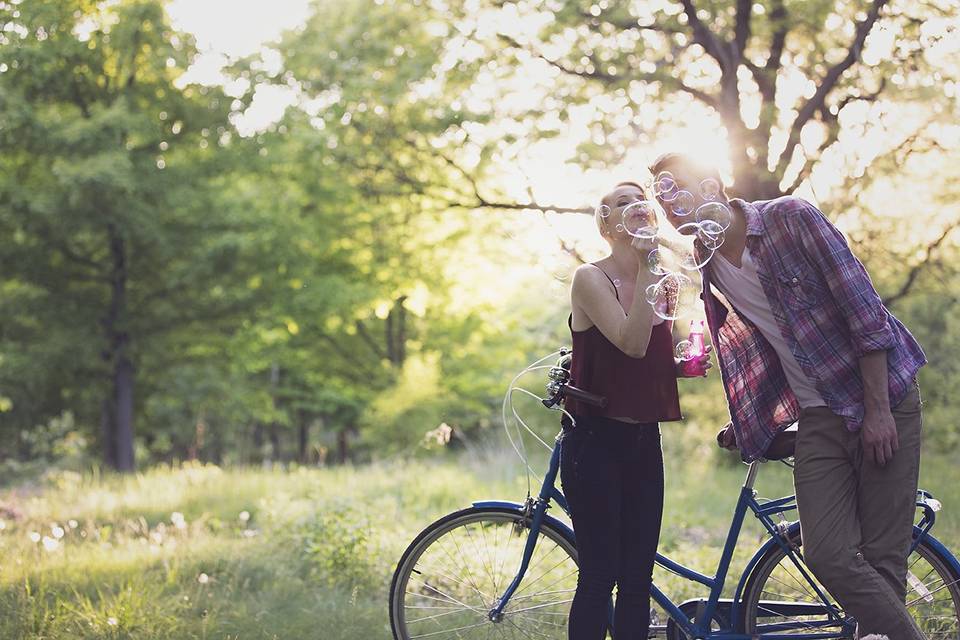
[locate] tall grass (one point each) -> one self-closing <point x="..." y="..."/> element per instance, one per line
<point x="202" y="552"/>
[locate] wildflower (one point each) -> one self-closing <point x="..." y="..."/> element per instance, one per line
<point x="73" y="524"/>
<point x="244" y="516"/>
<point x="50" y="544"/>
<point x="203" y="578"/>
<point x="178" y="520"/>
<point x="57" y="531"/>
<point x="34" y="537"/>
<point x="112" y="621"/>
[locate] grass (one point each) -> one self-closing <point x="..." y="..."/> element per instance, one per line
<point x="203" y="552"/>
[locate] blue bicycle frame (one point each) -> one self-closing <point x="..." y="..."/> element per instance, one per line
<point x="535" y="511"/>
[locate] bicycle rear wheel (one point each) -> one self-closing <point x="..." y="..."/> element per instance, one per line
<point x="455" y="571"/>
<point x="777" y="599"/>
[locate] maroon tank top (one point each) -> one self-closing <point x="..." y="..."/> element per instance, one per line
<point x="644" y="389"/>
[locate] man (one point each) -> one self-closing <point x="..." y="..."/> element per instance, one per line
<point x="806" y="338"/>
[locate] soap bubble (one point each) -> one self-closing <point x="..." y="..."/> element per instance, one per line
<point x="710" y="235"/>
<point x="691" y="261"/>
<point x="651" y="293"/>
<point x="709" y="189"/>
<point x="603" y="211"/>
<point x="619" y="227"/>
<point x="640" y="219"/>
<point x="665" y="186"/>
<point x="674" y="296"/>
<point x="655" y="263"/>
<point x="716" y="212"/>
<point x="684" y="350"/>
<point x="682" y="204"/>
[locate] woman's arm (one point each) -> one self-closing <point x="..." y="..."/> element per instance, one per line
<point x="591" y="293"/>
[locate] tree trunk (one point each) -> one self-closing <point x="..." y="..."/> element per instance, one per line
<point x="303" y="440"/>
<point x="274" y="425"/>
<point x="343" y="444"/>
<point x="123" y="385"/>
<point x="117" y="408"/>
<point x="275" y="453"/>
<point x="257" y="455"/>
<point x="107" y="433"/>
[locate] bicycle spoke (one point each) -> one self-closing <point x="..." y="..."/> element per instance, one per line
<point x="941" y="587"/>
<point x="433" y="617"/>
<point x="562" y="578"/>
<point x="536" y="564"/>
<point x="540" y="606"/>
<point x="483" y="560"/>
<point x="802" y="592"/>
<point x="533" y="582"/>
<point x="541" y="622"/>
<point x="522" y="630"/>
<point x="445" y="576"/>
<point x="542" y="593"/>
<point x="434" y="633"/>
<point x="448" y="597"/>
<point x="469" y="574"/>
<point x="788" y="568"/>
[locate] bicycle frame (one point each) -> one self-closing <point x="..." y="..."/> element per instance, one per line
<point x="535" y="512"/>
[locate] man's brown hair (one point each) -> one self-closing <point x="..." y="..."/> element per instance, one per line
<point x="674" y="158"/>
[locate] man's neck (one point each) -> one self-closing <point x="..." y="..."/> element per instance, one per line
<point x="735" y="237"/>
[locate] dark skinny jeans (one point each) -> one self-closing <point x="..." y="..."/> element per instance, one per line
<point x="612" y="476"/>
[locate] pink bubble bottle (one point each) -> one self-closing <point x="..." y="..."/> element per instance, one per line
<point x="694" y="366"/>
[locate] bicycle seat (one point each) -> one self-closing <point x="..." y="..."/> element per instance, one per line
<point x="782" y="446"/>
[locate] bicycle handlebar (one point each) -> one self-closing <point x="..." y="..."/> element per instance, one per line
<point x="570" y="391"/>
<point x="560" y="388"/>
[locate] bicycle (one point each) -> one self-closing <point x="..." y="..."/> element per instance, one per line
<point x="452" y="583"/>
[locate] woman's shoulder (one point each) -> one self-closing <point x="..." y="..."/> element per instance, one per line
<point x="589" y="272"/>
<point x="588" y="279"/>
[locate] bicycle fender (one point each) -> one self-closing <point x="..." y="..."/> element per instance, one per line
<point x="516" y="506"/>
<point x="792" y="530"/>
<point x="942" y="550"/>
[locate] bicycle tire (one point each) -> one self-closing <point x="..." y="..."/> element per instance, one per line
<point x="430" y="536"/>
<point x="946" y="578"/>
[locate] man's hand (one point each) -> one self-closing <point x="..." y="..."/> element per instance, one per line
<point x="727" y="439"/>
<point x="879" y="436"/>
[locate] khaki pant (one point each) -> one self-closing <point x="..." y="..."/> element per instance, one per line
<point x="856" y="518"/>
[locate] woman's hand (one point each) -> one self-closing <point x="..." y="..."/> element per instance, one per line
<point x="697" y="367"/>
<point x="644" y="246"/>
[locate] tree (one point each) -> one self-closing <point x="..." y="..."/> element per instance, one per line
<point x="108" y="196"/>
<point x="776" y="73"/>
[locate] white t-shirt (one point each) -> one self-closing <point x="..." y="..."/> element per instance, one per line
<point x="743" y="289"/>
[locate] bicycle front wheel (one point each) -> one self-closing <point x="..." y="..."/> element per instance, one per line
<point x="455" y="571"/>
<point x="778" y="599"/>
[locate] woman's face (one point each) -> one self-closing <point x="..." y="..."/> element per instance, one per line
<point x="619" y="201"/>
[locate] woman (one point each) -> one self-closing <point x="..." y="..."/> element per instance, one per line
<point x="611" y="463"/>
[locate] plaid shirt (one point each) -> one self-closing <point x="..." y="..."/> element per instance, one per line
<point x="828" y="312"/>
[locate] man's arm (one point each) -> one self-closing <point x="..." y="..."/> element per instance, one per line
<point x="867" y="318"/>
<point x="846" y="277"/>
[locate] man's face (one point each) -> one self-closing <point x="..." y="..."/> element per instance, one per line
<point x="679" y="210"/>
